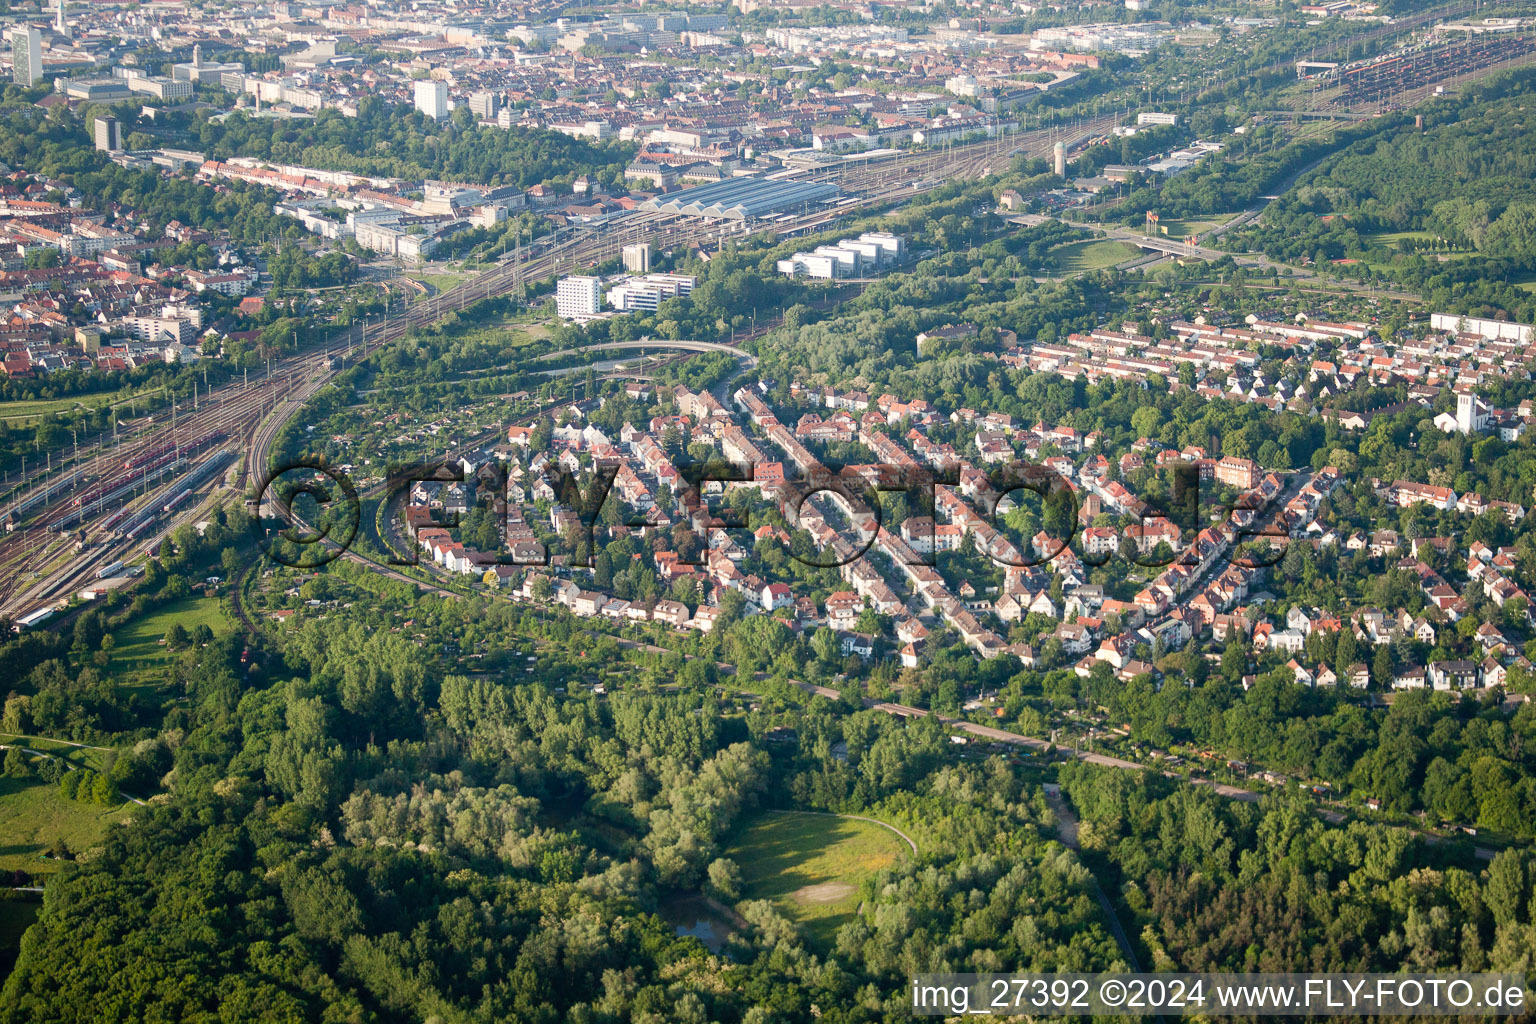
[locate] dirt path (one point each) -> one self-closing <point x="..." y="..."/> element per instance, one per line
<point x="1066" y="831"/>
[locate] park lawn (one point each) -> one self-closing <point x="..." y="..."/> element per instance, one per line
<point x="33" y="814"/>
<point x="1390" y="239"/>
<point x="529" y="334"/>
<point x="1393" y="237"/>
<point x="1181" y="229"/>
<point x="80" y="757"/>
<point x="1080" y="257"/>
<point x="439" y="282"/>
<point x="810" y="866"/>
<point x="15" y="413"/>
<point x="137" y="648"/>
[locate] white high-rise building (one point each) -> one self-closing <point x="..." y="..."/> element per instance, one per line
<point x="108" y="134"/>
<point x="578" y="296"/>
<point x="26" y="55"/>
<point x="432" y="99"/>
<point x="1059" y="161"/>
<point x="637" y="258"/>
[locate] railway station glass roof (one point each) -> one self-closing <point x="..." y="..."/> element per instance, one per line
<point x="742" y="198"/>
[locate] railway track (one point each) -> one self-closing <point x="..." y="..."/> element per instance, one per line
<point x="252" y="413"/>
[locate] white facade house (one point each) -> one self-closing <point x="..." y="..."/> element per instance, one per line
<point x="848" y="258"/>
<point x="1454" y="323"/>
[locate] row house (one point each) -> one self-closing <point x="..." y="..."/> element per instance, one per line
<point x="1406" y="493"/>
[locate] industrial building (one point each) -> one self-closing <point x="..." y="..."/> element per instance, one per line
<point x="648" y="293"/>
<point x="850" y="257"/>
<point x="743" y="199"/>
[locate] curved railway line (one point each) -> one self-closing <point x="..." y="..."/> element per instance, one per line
<point x="38" y="563"/>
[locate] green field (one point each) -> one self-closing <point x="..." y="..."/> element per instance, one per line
<point x="80" y="757"/>
<point x="18" y="413"/>
<point x="811" y="865"/>
<point x="439" y="282"/>
<point x="1390" y="239"/>
<point x="33" y="814"/>
<point x="15" y="413"/>
<point x="1078" y="257"/>
<point x="137" y="648"/>
<point x="1393" y="237"/>
<point x="1181" y="229"/>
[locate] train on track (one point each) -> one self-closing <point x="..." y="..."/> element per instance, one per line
<point x="40" y="498"/>
<point x="169" y="447"/>
<point x="142" y="469"/>
<point x="196" y="479"/>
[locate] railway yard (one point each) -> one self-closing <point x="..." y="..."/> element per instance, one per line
<point x="115" y="503"/>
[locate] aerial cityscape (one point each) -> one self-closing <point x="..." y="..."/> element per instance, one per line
<point x="765" y="512"/>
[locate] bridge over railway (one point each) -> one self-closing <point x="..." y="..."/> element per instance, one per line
<point x="1327" y="115"/>
<point x="662" y="344"/>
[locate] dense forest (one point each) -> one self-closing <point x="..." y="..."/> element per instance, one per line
<point x="348" y="830"/>
<point x="352" y="835"/>
<point x="1221" y="885"/>
<point x="1468" y="178"/>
